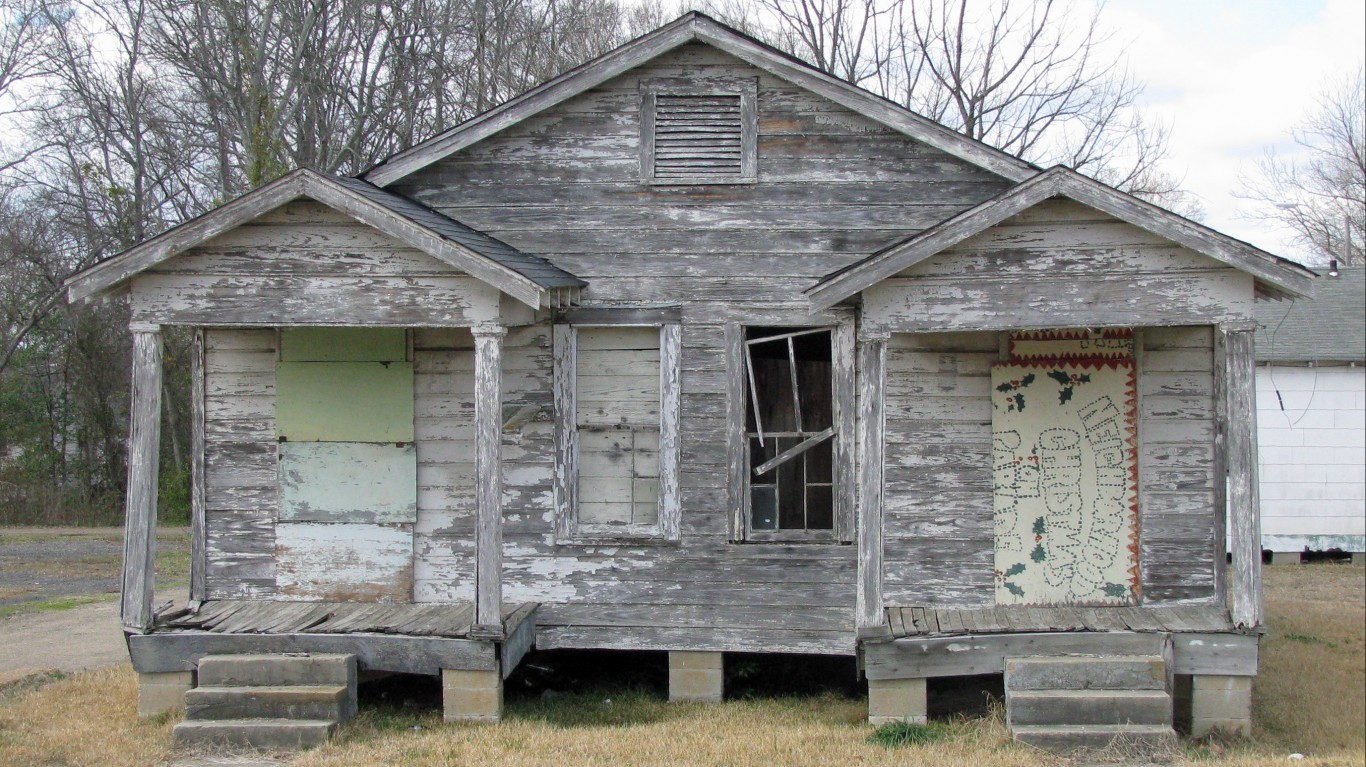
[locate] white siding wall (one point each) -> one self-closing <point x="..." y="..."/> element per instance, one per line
<point x="1312" y="457"/>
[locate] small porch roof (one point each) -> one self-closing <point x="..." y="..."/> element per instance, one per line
<point x="1275" y="277"/>
<point x="530" y="279"/>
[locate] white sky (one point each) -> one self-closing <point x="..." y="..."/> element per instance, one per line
<point x="1232" y="78"/>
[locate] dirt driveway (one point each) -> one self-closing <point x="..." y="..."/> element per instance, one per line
<point x="58" y="596"/>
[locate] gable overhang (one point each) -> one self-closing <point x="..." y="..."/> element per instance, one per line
<point x="689" y="28"/>
<point x="108" y="275"/>
<point x="1274" y="277"/>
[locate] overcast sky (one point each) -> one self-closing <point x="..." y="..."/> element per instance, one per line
<point x="1232" y="78"/>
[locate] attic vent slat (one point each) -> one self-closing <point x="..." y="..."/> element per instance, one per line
<point x="699" y="132"/>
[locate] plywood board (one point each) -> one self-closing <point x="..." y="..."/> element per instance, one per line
<point x="348" y="482"/>
<point x="344" y="562"/>
<point x="344" y="401"/>
<point x="343" y="344"/>
<point x="1065" y="482"/>
<point x="1079" y="343"/>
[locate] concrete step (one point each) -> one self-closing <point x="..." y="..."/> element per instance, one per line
<point x="1134" y="741"/>
<point x="265" y="734"/>
<point x="1075" y="707"/>
<point x="290" y="669"/>
<point x="334" y="702"/>
<point x="1118" y="672"/>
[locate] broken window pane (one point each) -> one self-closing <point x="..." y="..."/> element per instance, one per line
<point x="789" y="420"/>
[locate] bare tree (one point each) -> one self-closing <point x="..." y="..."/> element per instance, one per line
<point x="1320" y="190"/>
<point x="1036" y="78"/>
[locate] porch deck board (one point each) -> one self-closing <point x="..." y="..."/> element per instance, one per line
<point x="228" y="616"/>
<point x="939" y="621"/>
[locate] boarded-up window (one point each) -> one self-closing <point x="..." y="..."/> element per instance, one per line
<point x="698" y="131"/>
<point x="617" y="415"/>
<point x="617" y="398"/>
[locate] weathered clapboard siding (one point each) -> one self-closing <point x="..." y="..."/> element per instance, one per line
<point x="1177" y="497"/>
<point x="939" y="545"/>
<point x="304" y="263"/>
<point x="240" y="467"/>
<point x="566" y="184"/>
<point x="656" y="592"/>
<point x="1058" y="266"/>
<point x="832" y="186"/>
<point x="443" y="408"/>
<point x="937" y="470"/>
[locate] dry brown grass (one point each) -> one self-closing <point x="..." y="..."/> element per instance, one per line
<point x="86" y="720"/>
<point x="1308" y="699"/>
<point x="1311" y="694"/>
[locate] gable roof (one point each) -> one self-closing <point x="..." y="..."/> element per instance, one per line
<point x="697" y="27"/>
<point x="1330" y="328"/>
<point x="525" y="277"/>
<point x="1276" y="277"/>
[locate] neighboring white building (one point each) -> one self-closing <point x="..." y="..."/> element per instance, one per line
<point x="1311" y="418"/>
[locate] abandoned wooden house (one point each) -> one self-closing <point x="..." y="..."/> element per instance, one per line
<point x="697" y="349"/>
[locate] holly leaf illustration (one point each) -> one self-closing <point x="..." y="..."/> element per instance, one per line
<point x="1060" y="377"/>
<point x="1115" y="590"/>
<point x="1012" y="588"/>
<point x="1005" y="387"/>
<point x="1038" y="526"/>
<point x="1038" y="554"/>
<point x="1019" y="402"/>
<point x="1064" y="395"/>
<point x="1027" y="380"/>
<point x="1015" y="569"/>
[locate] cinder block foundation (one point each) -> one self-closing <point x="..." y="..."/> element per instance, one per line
<point x="897" y="700"/>
<point x="161" y="692"/>
<point x="471" y="696"/>
<point x="1285" y="557"/>
<point x="696" y="677"/>
<point x="1222" y="703"/>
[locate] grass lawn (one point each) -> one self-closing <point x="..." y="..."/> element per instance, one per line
<point x="1310" y="699"/>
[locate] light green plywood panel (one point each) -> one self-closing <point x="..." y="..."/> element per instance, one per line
<point x="348" y="482"/>
<point x="343" y="344"/>
<point x="344" y="401"/>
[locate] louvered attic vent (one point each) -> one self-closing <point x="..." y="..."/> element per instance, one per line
<point x="698" y="133"/>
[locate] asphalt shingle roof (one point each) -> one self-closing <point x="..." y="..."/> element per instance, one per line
<point x="534" y="268"/>
<point x="1330" y="327"/>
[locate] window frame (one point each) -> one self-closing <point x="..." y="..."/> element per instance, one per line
<point x="747" y="88"/>
<point x="568" y="529"/>
<point x="843" y="410"/>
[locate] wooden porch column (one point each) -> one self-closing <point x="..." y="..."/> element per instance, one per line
<point x="488" y="472"/>
<point x="1240" y="444"/>
<point x="198" y="446"/>
<point x="144" y="441"/>
<point x="872" y="363"/>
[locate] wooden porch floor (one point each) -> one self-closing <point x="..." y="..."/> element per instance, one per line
<point x="915" y="622"/>
<point x="230" y="616"/>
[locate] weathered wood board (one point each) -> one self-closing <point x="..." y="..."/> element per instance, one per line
<point x="344" y="401"/>
<point x="344" y="562"/>
<point x="348" y="482"/>
<point x="343" y="345"/>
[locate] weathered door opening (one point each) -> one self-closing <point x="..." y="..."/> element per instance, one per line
<point x="347" y="465"/>
<point x="790" y="430"/>
<point x="1065" y="468"/>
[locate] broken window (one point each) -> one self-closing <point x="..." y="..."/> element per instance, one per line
<point x="790" y="428"/>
